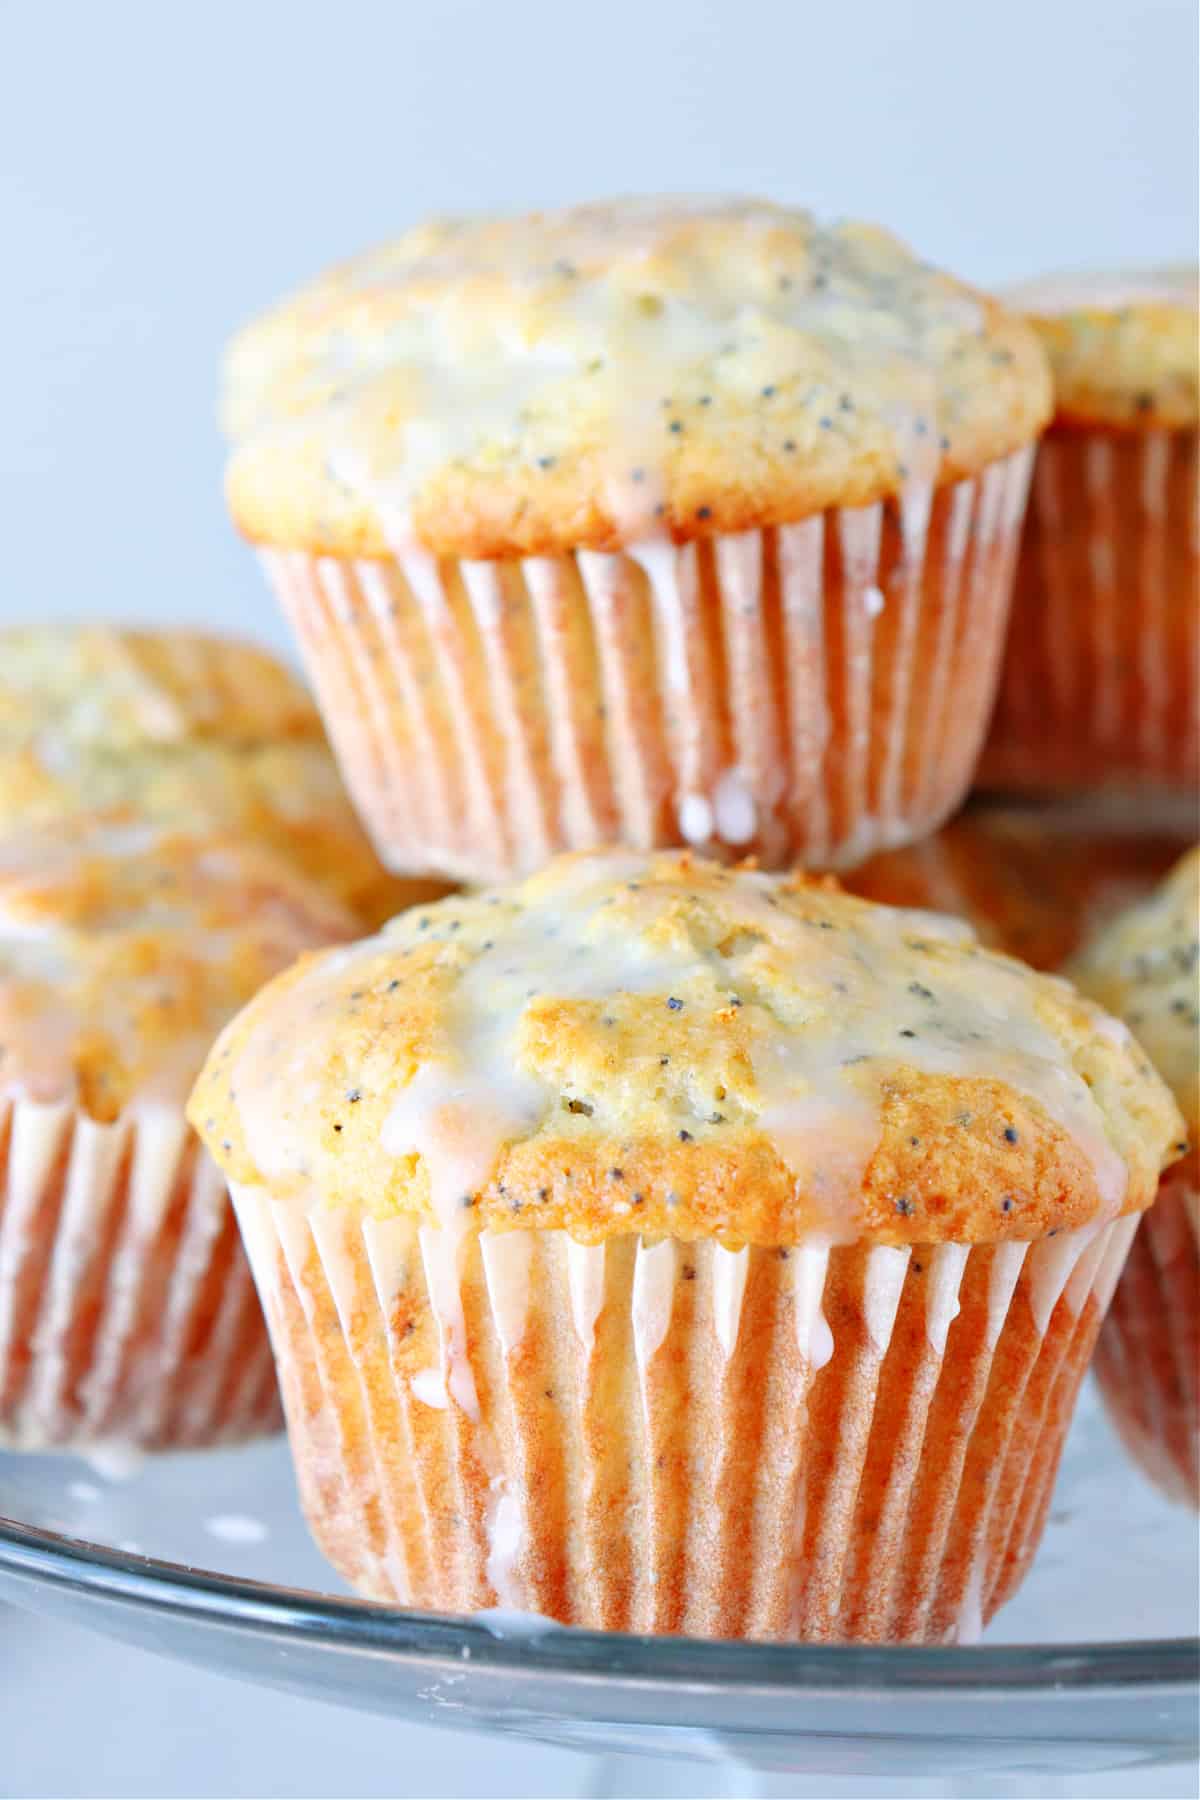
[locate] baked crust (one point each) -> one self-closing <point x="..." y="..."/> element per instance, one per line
<point x="124" y="949"/>
<point x="1124" y="348"/>
<point x="661" y="1046"/>
<point x="186" y="731"/>
<point x="1145" y="968"/>
<point x="531" y="386"/>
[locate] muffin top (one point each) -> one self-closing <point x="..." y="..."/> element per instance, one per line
<point x="186" y="730"/>
<point x="1145" y="967"/>
<point x="658" y="1045"/>
<point x="124" y="949"/>
<point x="1032" y="881"/>
<point x="1123" y="346"/>
<point x="592" y="378"/>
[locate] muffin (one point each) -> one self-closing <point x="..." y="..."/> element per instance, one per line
<point x="186" y="730"/>
<point x="1146" y="968"/>
<point x="653" y="522"/>
<point x="1034" y="881"/>
<point x="1101" y="682"/>
<point x="128" y="1317"/>
<point x="668" y="1248"/>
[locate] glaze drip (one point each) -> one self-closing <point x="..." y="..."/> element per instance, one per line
<point x="871" y="993"/>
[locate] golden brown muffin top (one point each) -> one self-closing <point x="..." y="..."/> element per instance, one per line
<point x="1123" y="346"/>
<point x="181" y="729"/>
<point x="123" y="950"/>
<point x="1031" y="881"/>
<point x="592" y="378"/>
<point x="120" y="688"/>
<point x="659" y="1045"/>
<point x="1145" y="968"/>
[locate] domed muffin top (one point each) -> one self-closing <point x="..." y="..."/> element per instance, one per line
<point x="659" y="1045"/>
<point x="123" y="950"/>
<point x="185" y="730"/>
<point x="1145" y="967"/>
<point x="1123" y="345"/>
<point x="591" y="378"/>
<point x="116" y="688"/>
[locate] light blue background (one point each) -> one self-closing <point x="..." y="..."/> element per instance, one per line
<point x="166" y="169"/>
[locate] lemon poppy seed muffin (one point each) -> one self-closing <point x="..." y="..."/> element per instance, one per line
<point x="1033" y="880"/>
<point x="130" y="1318"/>
<point x="1100" y="686"/>
<point x="670" y="1248"/>
<point x="653" y="521"/>
<point x="1146" y="968"/>
<point x="187" y="730"/>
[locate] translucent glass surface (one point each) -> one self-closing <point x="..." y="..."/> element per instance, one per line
<point x="1094" y="1665"/>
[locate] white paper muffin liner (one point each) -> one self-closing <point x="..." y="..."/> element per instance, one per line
<point x="824" y="1444"/>
<point x="1148" y="1356"/>
<point x="128" y="1316"/>
<point x="816" y="691"/>
<point x="1101" y="680"/>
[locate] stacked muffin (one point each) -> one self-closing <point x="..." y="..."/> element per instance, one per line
<point x="1101" y="684"/>
<point x="671" y="1248"/>
<point x="172" y="833"/>
<point x="1098" y="720"/>
<point x="649" y="523"/>
<point x="187" y="730"/>
<point x="1144" y="967"/>
<point x="650" y="1243"/>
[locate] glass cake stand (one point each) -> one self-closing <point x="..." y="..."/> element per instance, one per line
<point x="1093" y="1666"/>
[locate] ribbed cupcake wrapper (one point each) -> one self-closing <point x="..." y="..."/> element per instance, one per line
<point x="848" y="1444"/>
<point x="1148" y="1356"/>
<point x="128" y="1315"/>
<point x="819" y="690"/>
<point x="1101" y="681"/>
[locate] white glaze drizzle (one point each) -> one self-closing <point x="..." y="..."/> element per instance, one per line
<point x="507" y="1257"/>
<point x="882" y="1288"/>
<point x="653" y="1301"/>
<point x="490" y="336"/>
<point x="440" y="1252"/>
<point x="329" y="1232"/>
<point x="1082" y="1280"/>
<point x="968" y="1627"/>
<point x="388" y="1243"/>
<point x="886" y="993"/>
<point x="809" y="1265"/>
<point x="585" y="1284"/>
<point x="429" y="1387"/>
<point x="943" y="1278"/>
<point x="506" y="1536"/>
<point x="1116" y="1240"/>
<point x="1007" y="1262"/>
<point x="729" y="1271"/>
<point x="256" y="1225"/>
<point x="734" y="811"/>
<point x="1051" y="1262"/>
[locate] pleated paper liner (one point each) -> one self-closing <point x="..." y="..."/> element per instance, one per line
<point x="1101" y="681"/>
<point x="128" y="1315"/>
<point x="807" y="1444"/>
<point x="1148" y="1356"/>
<point x="817" y="691"/>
